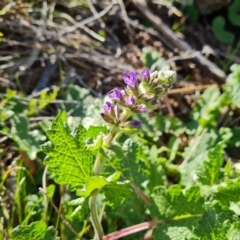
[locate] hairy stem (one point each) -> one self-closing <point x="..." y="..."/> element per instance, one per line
<point x="99" y="163"/>
<point x="94" y="216"/>
<point x="97" y="170"/>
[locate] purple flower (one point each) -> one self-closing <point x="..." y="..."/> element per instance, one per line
<point x="130" y="78"/>
<point x="136" y="124"/>
<point x="115" y="94"/>
<point x="130" y="101"/>
<point x="142" y="108"/>
<point x="107" y="107"/>
<point x="145" y="74"/>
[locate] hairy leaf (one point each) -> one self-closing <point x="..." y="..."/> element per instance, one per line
<point x="113" y="190"/>
<point x="34" y="231"/>
<point x="172" y="202"/>
<point x="228" y="191"/>
<point x="213" y="226"/>
<point x="196" y="154"/>
<point x="68" y="160"/>
<point x="181" y="211"/>
<point x="206" y="110"/>
<point x="176" y="229"/>
<point x="126" y="158"/>
<point x="209" y="172"/>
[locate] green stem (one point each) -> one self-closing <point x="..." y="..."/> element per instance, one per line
<point x="94" y="215"/>
<point x="99" y="163"/>
<point x="97" y="170"/>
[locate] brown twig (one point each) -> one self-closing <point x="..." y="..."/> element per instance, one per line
<point x="192" y="89"/>
<point x="183" y="47"/>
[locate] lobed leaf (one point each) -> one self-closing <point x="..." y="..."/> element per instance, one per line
<point x="228" y="192"/>
<point x="176" y="229"/>
<point x="212" y="226"/>
<point x="196" y="154"/>
<point x="173" y="202"/>
<point x="209" y="172"/>
<point x="34" y="231"/>
<point x="68" y="160"/>
<point x="113" y="190"/>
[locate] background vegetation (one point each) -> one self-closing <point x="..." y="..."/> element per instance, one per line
<point x="65" y="56"/>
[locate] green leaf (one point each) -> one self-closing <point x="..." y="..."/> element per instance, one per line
<point x="68" y="160"/>
<point x="154" y="170"/>
<point x="50" y="190"/>
<point x="76" y="93"/>
<point x="176" y="229"/>
<point x="228" y="192"/>
<point x="128" y="160"/>
<point x="209" y="172"/>
<point x="129" y="212"/>
<point x="91" y="114"/>
<point x="206" y="110"/>
<point x="187" y="214"/>
<point x="233" y="85"/>
<point x="234" y="140"/>
<point x="34" y="231"/>
<point x="46" y="98"/>
<point x="82" y="210"/>
<point x="95" y="141"/>
<point x="196" y="154"/>
<point x="26" y="140"/>
<point x="154" y="59"/>
<point x="173" y="144"/>
<point x="93" y="183"/>
<point x="213" y="226"/>
<point x="181" y="210"/>
<point x="172" y="202"/>
<point x="192" y="13"/>
<point x="218" y="25"/>
<point x="234" y="231"/>
<point x="113" y="190"/>
<point x="51" y="234"/>
<point x="233" y="13"/>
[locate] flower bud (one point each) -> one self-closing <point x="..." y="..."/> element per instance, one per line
<point x="142" y="108"/>
<point x="107" y="118"/>
<point x="165" y="77"/>
<point x="146" y="88"/>
<point x="109" y="109"/>
<point x="130" y="101"/>
<point x="109" y="114"/>
<point x="162" y="81"/>
<point x="145" y="74"/>
<point x="130" y="127"/>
